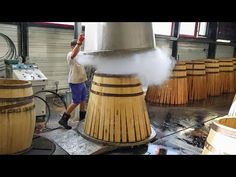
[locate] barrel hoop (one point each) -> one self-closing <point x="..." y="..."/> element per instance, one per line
<point x="113" y="85"/>
<point x="180" y="64"/>
<point x="197" y="63"/>
<point x="115" y="75"/>
<point x="23" y="103"/>
<point x="209" y="147"/>
<point x="227" y="71"/>
<point x="15" y="86"/>
<point x="16" y="99"/>
<point x="179" y="69"/>
<point x="196" y="74"/>
<point x="193" y="69"/>
<point x="212" y="67"/>
<point x="223" y="131"/>
<point x="172" y="77"/>
<point x="116" y="95"/>
<point x="17" y="110"/>
<point x="198" y="69"/>
<point x="212" y="72"/>
<point x="212" y="62"/>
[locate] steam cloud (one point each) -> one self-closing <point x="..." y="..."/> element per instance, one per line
<point x="152" y="66"/>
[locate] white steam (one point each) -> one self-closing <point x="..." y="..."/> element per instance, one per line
<point x="152" y="66"/>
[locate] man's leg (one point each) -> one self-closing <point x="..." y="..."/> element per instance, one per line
<point x="83" y="104"/>
<point x="82" y="112"/>
<point x="76" y="92"/>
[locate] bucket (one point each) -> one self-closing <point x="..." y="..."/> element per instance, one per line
<point x="117" y="110"/>
<point x="17" y="116"/>
<point x="222" y="137"/>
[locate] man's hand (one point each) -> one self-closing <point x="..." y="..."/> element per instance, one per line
<point x="81" y="39"/>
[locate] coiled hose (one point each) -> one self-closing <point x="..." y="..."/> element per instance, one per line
<point x="11" y="51"/>
<point x="47" y="105"/>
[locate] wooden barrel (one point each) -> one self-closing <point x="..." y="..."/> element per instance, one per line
<point x="226" y="75"/>
<point x="196" y="74"/>
<point x="173" y="91"/>
<point x="17" y="116"/>
<point x="222" y="137"/>
<point x="117" y="110"/>
<point x="179" y="91"/>
<point x="212" y="77"/>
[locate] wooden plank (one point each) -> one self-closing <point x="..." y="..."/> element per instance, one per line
<point x="93" y="115"/>
<point x="146" y="117"/>
<point x="102" y="118"/>
<point x="112" y="119"/>
<point x="89" y="116"/>
<point x="123" y="120"/>
<point x="136" y="117"/>
<point x="130" y="122"/>
<point x="97" y="117"/>
<point x="107" y="119"/>
<point x="117" y="120"/>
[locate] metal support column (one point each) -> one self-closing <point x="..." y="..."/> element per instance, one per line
<point x="23" y="40"/>
<point x="77" y="29"/>
<point x="212" y="35"/>
<point x="175" y="43"/>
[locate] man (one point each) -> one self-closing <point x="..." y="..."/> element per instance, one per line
<point x="76" y="79"/>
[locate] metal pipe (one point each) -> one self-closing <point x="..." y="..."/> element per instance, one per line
<point x="77" y="29"/>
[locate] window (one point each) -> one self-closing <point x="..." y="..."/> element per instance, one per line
<point x="193" y="29"/>
<point x="162" y="28"/>
<point x="202" y="31"/>
<point x="187" y="29"/>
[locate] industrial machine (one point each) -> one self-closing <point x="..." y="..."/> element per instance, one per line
<point x="30" y="72"/>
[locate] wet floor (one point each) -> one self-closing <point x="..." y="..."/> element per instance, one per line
<point x="181" y="130"/>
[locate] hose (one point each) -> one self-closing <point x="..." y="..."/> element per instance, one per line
<point x="47" y="105"/>
<point x="50" y="91"/>
<point x="48" y="108"/>
<point x="11" y="52"/>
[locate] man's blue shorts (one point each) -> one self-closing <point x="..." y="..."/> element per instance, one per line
<point x="79" y="92"/>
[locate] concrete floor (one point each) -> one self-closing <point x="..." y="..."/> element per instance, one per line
<point x="181" y="130"/>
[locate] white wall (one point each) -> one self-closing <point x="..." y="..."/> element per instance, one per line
<point x="48" y="48"/>
<point x="189" y="51"/>
<point x="224" y="51"/>
<point x="162" y="42"/>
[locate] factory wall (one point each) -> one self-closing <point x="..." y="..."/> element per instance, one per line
<point x="190" y="50"/>
<point x="163" y="43"/>
<point x="224" y="51"/>
<point x="48" y="48"/>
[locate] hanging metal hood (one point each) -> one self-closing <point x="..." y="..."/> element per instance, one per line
<point x="116" y="36"/>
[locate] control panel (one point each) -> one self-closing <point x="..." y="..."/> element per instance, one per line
<point x="32" y="73"/>
<point x="28" y="72"/>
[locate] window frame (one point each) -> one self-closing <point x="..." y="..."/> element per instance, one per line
<point x="51" y="25"/>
